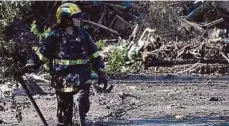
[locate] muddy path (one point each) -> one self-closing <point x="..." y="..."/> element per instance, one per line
<point x="137" y="100"/>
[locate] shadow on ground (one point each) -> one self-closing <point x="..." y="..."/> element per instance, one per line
<point x="168" y="121"/>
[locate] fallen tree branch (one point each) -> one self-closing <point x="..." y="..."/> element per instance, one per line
<point x="194" y="25"/>
<point x="194" y="66"/>
<point x="213" y="23"/>
<point x="102" y="26"/>
<point x="100" y="21"/>
<point x="186" y="61"/>
<point x="224" y="56"/>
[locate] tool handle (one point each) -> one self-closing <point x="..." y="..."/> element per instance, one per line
<point x="22" y="82"/>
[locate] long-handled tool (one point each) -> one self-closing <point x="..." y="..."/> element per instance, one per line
<point x="22" y="82"/>
<point x="18" y="77"/>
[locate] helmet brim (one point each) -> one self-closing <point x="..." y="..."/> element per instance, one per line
<point x="79" y="15"/>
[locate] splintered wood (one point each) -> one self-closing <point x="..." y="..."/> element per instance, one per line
<point x="158" y="52"/>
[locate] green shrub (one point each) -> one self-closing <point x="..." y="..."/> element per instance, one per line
<point x="35" y="31"/>
<point x="11" y="12"/>
<point x="100" y="44"/>
<point x="117" y="60"/>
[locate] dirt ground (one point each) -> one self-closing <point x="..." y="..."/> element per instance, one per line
<point x="136" y="97"/>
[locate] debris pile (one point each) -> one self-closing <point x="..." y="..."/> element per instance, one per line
<point x="153" y="32"/>
<point x="206" y="48"/>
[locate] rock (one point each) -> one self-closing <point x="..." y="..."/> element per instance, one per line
<point x="6" y="89"/>
<point x="179" y="117"/>
<point x="216" y="98"/>
<point x="132" y="87"/>
<point x="19" y="116"/>
<point x="1" y="108"/>
<point x="1" y="121"/>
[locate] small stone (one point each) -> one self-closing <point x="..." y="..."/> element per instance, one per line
<point x="19" y="116"/>
<point x="1" y="121"/>
<point x="108" y="107"/>
<point x="216" y="99"/>
<point x="1" y="108"/>
<point x="132" y="87"/>
<point x="179" y="117"/>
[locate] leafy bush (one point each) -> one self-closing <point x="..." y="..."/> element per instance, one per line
<point x="100" y="44"/>
<point x="117" y="61"/>
<point x="11" y="15"/>
<point x="35" y="31"/>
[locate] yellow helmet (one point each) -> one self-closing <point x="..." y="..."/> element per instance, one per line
<point x="67" y="10"/>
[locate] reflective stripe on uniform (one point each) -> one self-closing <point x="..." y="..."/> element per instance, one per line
<point x="40" y="56"/>
<point x="95" y="55"/>
<point x="71" y="62"/>
<point x="60" y="61"/>
<point x="46" y="66"/>
<point x="91" y="81"/>
<point x="68" y="89"/>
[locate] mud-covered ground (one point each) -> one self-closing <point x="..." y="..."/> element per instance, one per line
<point x="134" y="98"/>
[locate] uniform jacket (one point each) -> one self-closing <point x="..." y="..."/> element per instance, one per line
<point x="72" y="54"/>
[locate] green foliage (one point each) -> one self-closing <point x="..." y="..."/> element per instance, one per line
<point x="117" y="61"/>
<point x="9" y="11"/>
<point x="136" y="66"/>
<point x="100" y="44"/>
<point x="40" y="35"/>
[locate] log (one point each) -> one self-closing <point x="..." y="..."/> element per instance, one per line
<point x="186" y="70"/>
<point x="212" y="23"/>
<point x="102" y="26"/>
<point x="186" y="61"/>
<point x="115" y="5"/>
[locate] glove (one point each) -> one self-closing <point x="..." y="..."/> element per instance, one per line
<point x="103" y="79"/>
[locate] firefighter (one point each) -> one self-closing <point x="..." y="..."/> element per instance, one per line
<point x="72" y="55"/>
